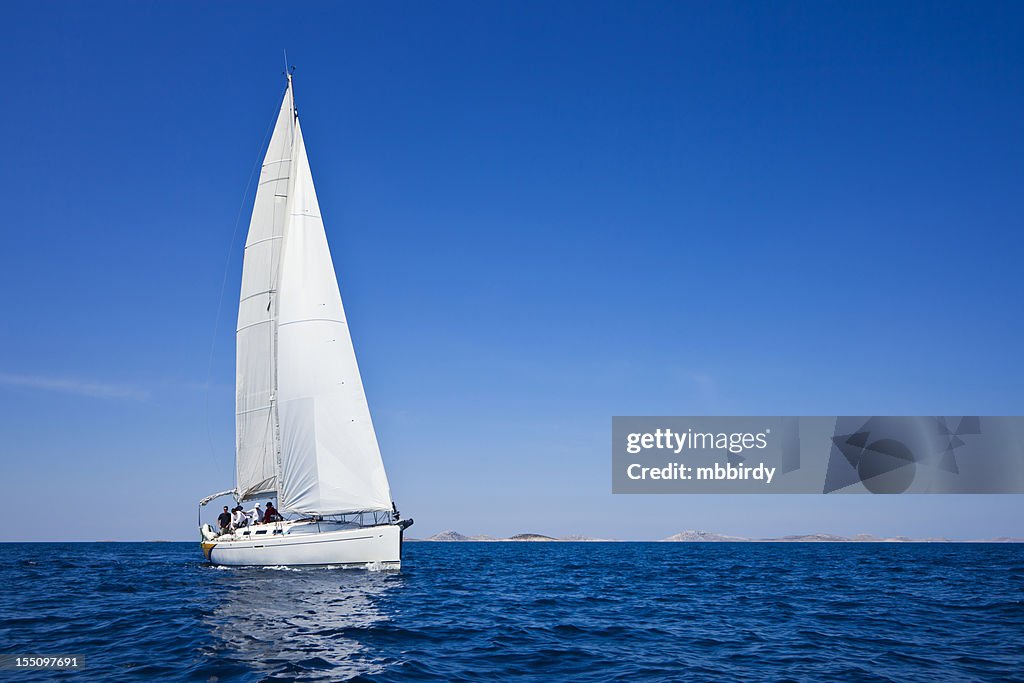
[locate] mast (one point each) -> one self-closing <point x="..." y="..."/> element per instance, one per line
<point x="290" y="96"/>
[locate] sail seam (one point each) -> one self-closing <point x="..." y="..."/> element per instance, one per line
<point x="265" y="239"/>
<point x="252" y="296"/>
<point x="312" y="320"/>
<point x="258" y="322"/>
<point x="252" y="410"/>
<point x="273" y="180"/>
<point x="278" y="161"/>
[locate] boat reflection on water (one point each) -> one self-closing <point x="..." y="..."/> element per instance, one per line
<point x="308" y="623"/>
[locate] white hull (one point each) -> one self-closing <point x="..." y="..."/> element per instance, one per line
<point x="308" y="543"/>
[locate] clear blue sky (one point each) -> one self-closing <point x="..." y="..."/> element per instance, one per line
<point x="542" y="214"/>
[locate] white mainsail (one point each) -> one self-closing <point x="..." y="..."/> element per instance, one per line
<point x="303" y="424"/>
<point x="255" y="347"/>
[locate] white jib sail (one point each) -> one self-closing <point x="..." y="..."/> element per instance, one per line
<point x="255" y="352"/>
<point x="330" y="459"/>
<point x="298" y="389"/>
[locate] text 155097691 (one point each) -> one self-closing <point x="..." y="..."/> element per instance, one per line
<point x="16" y="661"/>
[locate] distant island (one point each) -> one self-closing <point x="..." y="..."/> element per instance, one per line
<point x="694" y="536"/>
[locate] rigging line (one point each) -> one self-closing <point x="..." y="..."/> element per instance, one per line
<point x="224" y="283"/>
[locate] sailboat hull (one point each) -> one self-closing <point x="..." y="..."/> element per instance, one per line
<point x="309" y="544"/>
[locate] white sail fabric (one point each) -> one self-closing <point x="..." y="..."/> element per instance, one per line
<point x="330" y="459"/>
<point x="255" y="352"/>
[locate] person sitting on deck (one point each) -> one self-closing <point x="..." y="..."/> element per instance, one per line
<point x="224" y="520"/>
<point x="238" y="518"/>
<point x="257" y="514"/>
<point x="271" y="515"/>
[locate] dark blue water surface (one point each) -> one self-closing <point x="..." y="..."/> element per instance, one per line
<point x="525" y="612"/>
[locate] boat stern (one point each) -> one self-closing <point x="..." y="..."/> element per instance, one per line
<point x="208" y="547"/>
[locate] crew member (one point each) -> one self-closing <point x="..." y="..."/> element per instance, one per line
<point x="238" y="518"/>
<point x="271" y="515"/>
<point x="224" y="520"/>
<point x="256" y="514"/>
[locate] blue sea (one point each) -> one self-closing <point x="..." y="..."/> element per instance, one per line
<point x="525" y="612"/>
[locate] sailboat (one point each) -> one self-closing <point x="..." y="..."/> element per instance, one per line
<point x="303" y="430"/>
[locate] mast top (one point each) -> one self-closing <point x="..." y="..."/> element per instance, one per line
<point x="288" y="69"/>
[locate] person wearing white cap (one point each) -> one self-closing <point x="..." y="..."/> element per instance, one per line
<point x="256" y="514"/>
